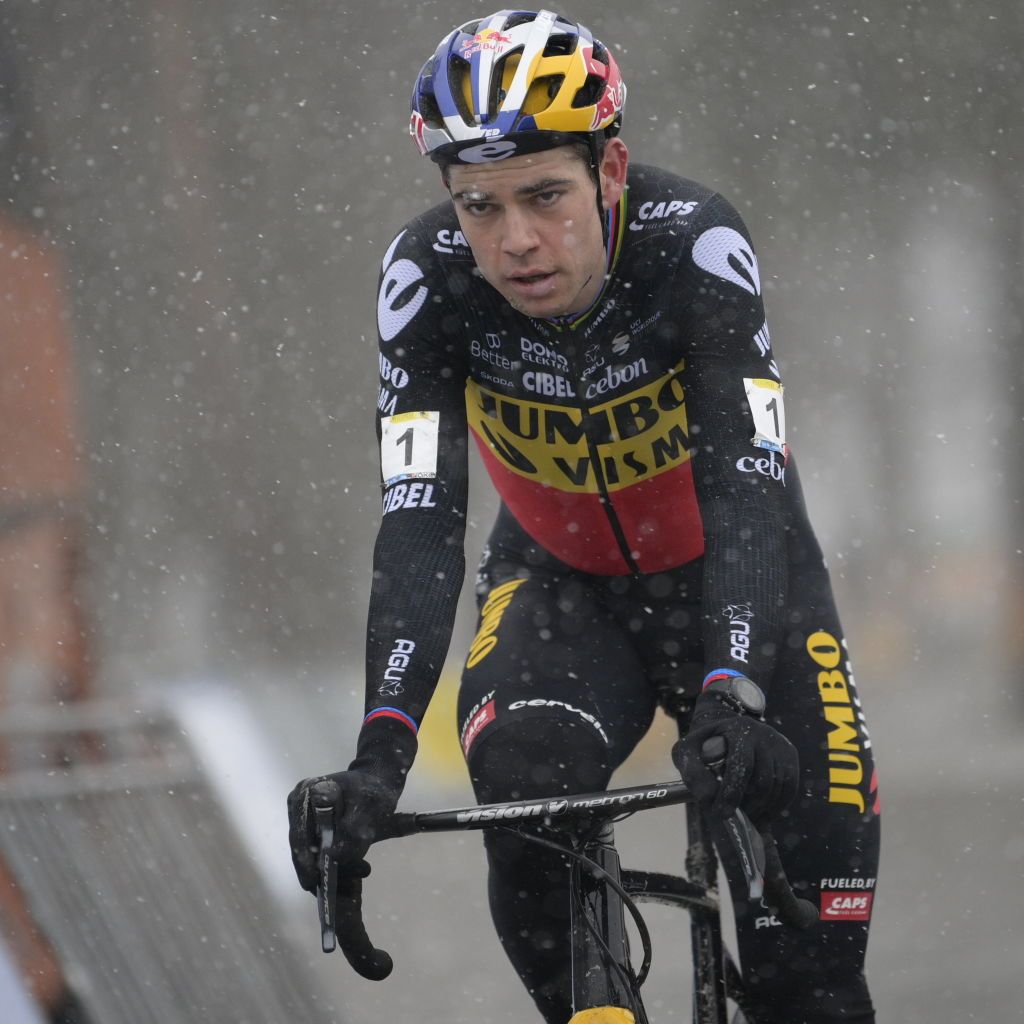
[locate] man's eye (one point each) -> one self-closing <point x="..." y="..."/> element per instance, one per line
<point x="547" y="198"/>
<point x="477" y="209"/>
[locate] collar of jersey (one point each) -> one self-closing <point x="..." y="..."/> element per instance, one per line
<point x="616" y="223"/>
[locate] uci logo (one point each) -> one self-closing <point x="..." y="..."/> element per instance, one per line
<point x="766" y="466"/>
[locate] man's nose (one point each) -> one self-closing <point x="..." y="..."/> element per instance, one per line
<point x="518" y="235"/>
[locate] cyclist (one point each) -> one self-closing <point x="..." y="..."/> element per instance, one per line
<point x="597" y="327"/>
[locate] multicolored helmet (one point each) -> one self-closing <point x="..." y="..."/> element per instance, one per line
<point x="515" y="82"/>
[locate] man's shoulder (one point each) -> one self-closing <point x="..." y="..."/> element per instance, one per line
<point x="650" y="182"/>
<point x="661" y="202"/>
<point x="426" y="270"/>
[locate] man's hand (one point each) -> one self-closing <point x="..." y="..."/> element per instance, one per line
<point x="761" y="770"/>
<point x="364" y="802"/>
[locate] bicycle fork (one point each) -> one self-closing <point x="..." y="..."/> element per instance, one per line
<point x="705" y="925"/>
<point x="601" y="974"/>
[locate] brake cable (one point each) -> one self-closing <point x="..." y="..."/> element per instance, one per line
<point x="599" y="873"/>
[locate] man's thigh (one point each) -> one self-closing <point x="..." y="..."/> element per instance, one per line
<point x="547" y="649"/>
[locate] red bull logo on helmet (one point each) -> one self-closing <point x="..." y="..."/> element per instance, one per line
<point x="489" y="39"/>
<point x="611" y="100"/>
<point x="614" y="96"/>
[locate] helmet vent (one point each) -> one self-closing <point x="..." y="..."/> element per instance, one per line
<point x="589" y="93"/>
<point x="430" y="111"/>
<point x="559" y="46"/>
<point x="458" y="77"/>
<point x="523" y="18"/>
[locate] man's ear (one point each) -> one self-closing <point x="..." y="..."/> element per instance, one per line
<point x="614" y="167"/>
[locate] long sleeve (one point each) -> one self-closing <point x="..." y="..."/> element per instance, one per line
<point x="418" y="563"/>
<point x="737" y="426"/>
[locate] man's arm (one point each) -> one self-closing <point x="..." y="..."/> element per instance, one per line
<point x="419" y="562"/>
<point x="736" y="417"/>
<point x="738" y="432"/>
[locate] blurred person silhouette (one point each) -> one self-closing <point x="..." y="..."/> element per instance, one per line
<point x="43" y="642"/>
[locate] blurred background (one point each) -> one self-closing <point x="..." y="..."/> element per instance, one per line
<point x="195" y="200"/>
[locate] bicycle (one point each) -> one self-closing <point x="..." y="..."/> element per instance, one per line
<point x="606" y="988"/>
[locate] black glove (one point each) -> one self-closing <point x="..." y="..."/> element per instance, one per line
<point x="366" y="797"/>
<point x="761" y="769"/>
<point x="364" y="802"/>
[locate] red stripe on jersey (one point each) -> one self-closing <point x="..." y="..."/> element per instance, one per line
<point x="659" y="516"/>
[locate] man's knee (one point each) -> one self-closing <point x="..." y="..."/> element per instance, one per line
<point x="538" y="757"/>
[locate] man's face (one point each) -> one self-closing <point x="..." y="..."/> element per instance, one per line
<point x="532" y="224"/>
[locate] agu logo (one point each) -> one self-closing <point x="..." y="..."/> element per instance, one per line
<point x="846" y="906"/>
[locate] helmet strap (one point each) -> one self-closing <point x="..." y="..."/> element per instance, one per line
<point x="595" y="164"/>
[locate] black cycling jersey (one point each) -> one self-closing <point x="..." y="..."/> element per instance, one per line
<point x="645" y="434"/>
<point x="651" y="531"/>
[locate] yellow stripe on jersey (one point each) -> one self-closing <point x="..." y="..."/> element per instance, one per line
<point x="547" y="444"/>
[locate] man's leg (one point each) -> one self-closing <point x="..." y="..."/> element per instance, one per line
<point x="828" y="838"/>
<point x="553" y="705"/>
<point x="527" y="884"/>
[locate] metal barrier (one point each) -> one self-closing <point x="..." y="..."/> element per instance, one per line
<point x="136" y="877"/>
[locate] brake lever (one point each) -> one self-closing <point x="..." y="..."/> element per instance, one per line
<point x="746" y="839"/>
<point x="344" y="929"/>
<point x="327" y="867"/>
<point x="759" y="855"/>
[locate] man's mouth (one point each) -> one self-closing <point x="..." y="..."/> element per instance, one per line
<point x="532" y="284"/>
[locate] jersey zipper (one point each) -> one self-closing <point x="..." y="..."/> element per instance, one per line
<point x="595" y="461"/>
<point x="616" y="222"/>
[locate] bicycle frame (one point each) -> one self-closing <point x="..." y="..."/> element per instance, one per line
<point x="601" y="934"/>
<point x="600" y="892"/>
<point x="709" y="981"/>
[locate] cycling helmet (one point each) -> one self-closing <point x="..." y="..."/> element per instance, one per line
<point x="515" y="82"/>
